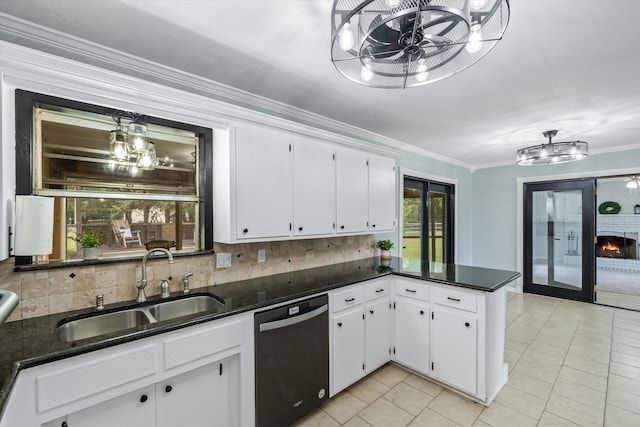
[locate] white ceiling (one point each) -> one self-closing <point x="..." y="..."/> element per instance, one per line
<point x="572" y="65"/>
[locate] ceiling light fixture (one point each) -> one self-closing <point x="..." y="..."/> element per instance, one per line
<point x="553" y="152"/>
<point x="633" y="182"/>
<point x="132" y="146"/>
<point x="396" y="44"/>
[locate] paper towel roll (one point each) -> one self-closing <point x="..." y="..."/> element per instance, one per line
<point x="34" y="225"/>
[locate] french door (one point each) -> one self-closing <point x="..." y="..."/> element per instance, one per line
<point x="428" y="222"/>
<point x="559" y="230"/>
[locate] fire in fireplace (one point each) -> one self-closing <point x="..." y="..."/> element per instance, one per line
<point x="616" y="247"/>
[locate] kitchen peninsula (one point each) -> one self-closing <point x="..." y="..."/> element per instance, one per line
<point x="457" y="314"/>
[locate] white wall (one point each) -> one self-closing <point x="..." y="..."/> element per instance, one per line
<point x="616" y="191"/>
<point x="496" y="195"/>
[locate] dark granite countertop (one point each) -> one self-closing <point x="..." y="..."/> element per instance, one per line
<point x="30" y="342"/>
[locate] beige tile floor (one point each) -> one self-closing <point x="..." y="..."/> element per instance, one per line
<point x="570" y="364"/>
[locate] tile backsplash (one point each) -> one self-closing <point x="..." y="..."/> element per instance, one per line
<point x="57" y="290"/>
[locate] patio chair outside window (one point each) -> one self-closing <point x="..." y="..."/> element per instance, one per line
<point x="123" y="233"/>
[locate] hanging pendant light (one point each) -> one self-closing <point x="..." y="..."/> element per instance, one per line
<point x="147" y="159"/>
<point x="396" y="44"/>
<point x="118" y="145"/>
<point x="552" y="152"/>
<point x="138" y="136"/>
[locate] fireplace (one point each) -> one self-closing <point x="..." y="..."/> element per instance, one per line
<point x="617" y="245"/>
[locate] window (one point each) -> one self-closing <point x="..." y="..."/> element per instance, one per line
<point x="428" y="223"/>
<point x="63" y="151"/>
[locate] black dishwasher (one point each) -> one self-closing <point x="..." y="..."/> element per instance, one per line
<point x="292" y="361"/>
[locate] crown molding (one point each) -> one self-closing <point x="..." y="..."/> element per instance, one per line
<point x="47" y="40"/>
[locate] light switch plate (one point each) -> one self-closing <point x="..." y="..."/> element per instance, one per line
<point x="262" y="255"/>
<point x="223" y="260"/>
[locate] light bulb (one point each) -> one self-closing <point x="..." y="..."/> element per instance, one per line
<point x="477" y="4"/>
<point x="345" y="37"/>
<point x="632" y="184"/>
<point x="147" y="159"/>
<point x="134" y="171"/>
<point x="574" y="149"/>
<point x="421" y="69"/>
<point x="544" y="153"/>
<point x="392" y="3"/>
<point x="138" y="136"/>
<point x="366" y="74"/>
<point x="474" y="43"/>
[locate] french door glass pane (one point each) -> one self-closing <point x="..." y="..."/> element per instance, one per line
<point x="557" y="238"/>
<point x="412" y="229"/>
<point x="437" y="226"/>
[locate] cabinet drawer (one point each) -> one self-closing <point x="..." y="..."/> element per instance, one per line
<point x="412" y="290"/>
<point x="94" y="374"/>
<point x="453" y="297"/>
<point x="376" y="290"/>
<point x="348" y="298"/>
<point x="196" y="345"/>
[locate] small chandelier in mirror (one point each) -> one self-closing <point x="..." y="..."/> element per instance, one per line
<point x="118" y="145"/>
<point x="132" y="146"/>
<point x="552" y="152"/>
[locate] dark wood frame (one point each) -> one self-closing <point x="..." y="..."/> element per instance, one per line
<point x="25" y="102"/>
<point x="587" y="186"/>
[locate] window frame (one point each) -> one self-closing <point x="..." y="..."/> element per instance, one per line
<point x="26" y="101"/>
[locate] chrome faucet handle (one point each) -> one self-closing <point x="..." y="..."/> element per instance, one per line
<point x="185" y="282"/>
<point x="142" y="297"/>
<point x="164" y="286"/>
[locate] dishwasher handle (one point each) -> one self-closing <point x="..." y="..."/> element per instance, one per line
<point x="277" y="324"/>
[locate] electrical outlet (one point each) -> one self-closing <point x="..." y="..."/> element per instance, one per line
<point x="262" y="255"/>
<point x="223" y="260"/>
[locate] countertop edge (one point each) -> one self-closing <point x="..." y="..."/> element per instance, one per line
<point x="7" y="386"/>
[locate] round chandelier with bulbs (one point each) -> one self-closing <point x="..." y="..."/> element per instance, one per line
<point x="396" y="44"/>
<point x="552" y="152"/>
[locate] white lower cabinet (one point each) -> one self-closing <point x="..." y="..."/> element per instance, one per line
<point x="347" y="355"/>
<point x="190" y="377"/>
<point x="377" y="333"/>
<point x="197" y="398"/>
<point x="134" y="409"/>
<point x="454" y="348"/>
<point x="360" y="332"/>
<point x="411" y="344"/>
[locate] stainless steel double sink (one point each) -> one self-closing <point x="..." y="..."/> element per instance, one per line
<point x="74" y="329"/>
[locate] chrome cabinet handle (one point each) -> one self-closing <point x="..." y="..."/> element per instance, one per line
<point x="453" y="299"/>
<point x="413" y="291"/>
<point x="349" y="300"/>
<point x="379" y="290"/>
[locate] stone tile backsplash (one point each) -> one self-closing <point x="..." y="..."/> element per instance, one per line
<point x="59" y="290"/>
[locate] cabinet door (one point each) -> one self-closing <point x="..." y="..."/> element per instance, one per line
<point x="135" y="409"/>
<point x="382" y="193"/>
<point x="352" y="191"/>
<point x="314" y="188"/>
<point x="347" y="350"/>
<point x="263" y="183"/>
<point x="412" y="334"/>
<point x="377" y="339"/>
<point x="454" y="340"/>
<point x="195" y="398"/>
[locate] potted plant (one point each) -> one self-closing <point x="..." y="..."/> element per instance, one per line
<point x="385" y="248"/>
<point x="90" y="242"/>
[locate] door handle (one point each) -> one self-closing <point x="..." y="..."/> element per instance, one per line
<point x="276" y="324"/>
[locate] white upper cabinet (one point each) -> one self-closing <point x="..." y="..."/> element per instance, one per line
<point x="382" y="194"/>
<point x="314" y="187"/>
<point x="271" y="184"/>
<point x="352" y="191"/>
<point x="263" y="183"/>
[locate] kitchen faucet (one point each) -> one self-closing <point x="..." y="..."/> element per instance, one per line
<point x="143" y="281"/>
